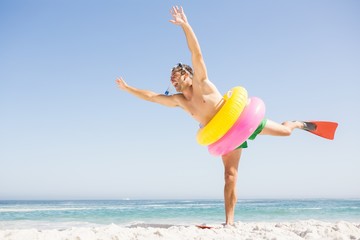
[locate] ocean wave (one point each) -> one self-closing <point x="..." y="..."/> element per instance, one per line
<point x="4" y="210"/>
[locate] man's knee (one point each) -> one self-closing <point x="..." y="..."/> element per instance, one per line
<point x="230" y="177"/>
<point x="231" y="162"/>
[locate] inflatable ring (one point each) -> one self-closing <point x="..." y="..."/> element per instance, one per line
<point x="224" y="119"/>
<point x="247" y="123"/>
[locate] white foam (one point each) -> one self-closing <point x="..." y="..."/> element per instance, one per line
<point x="44" y="225"/>
<point x="42" y="209"/>
<point x="310" y="229"/>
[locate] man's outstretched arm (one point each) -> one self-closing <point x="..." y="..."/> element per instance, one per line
<point x="169" y="101"/>
<point x="198" y="63"/>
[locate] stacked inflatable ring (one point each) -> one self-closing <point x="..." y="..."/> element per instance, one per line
<point x="233" y="124"/>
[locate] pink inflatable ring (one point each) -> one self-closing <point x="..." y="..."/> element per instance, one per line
<point x="242" y="129"/>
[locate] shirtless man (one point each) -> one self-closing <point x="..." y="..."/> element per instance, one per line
<point x="201" y="99"/>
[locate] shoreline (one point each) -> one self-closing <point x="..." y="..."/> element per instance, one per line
<point x="170" y="219"/>
<point x="304" y="229"/>
<point x="43" y="225"/>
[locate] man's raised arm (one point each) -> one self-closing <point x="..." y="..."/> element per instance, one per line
<point x="180" y="19"/>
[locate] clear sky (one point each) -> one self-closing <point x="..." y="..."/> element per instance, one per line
<point x="68" y="132"/>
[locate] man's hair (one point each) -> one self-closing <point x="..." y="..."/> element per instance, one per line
<point x="183" y="68"/>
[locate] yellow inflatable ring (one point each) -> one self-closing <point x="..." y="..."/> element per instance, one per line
<point x="224" y="119"/>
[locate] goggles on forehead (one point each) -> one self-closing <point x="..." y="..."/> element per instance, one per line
<point x="179" y="67"/>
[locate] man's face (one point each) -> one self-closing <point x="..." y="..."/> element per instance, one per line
<point x="177" y="79"/>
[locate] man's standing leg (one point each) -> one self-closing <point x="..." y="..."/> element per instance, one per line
<point x="231" y="163"/>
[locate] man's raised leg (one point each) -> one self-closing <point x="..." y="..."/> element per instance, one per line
<point x="285" y="129"/>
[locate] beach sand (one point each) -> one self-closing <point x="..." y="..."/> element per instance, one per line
<point x="310" y="229"/>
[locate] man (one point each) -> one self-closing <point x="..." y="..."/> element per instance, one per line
<point x="202" y="100"/>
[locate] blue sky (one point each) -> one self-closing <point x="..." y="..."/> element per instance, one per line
<point x="68" y="132"/>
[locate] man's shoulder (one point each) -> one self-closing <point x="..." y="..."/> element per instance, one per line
<point x="178" y="96"/>
<point x="207" y="86"/>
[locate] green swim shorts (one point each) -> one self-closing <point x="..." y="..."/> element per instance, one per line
<point x="255" y="133"/>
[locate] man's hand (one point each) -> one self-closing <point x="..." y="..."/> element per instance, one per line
<point x="178" y="15"/>
<point x="121" y="83"/>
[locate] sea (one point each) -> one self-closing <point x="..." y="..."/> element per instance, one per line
<point x="64" y="214"/>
